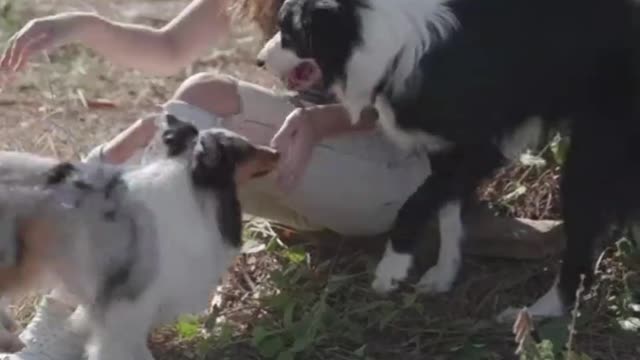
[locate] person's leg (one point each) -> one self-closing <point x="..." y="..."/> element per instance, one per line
<point x="354" y="185"/>
<point x="50" y="334"/>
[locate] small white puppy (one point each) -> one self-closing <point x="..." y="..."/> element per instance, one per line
<point x="139" y="246"/>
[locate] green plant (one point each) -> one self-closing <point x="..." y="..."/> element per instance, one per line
<point x="11" y="17"/>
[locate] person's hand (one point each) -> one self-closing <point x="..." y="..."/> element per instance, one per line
<point x="295" y="142"/>
<point x="39" y="35"/>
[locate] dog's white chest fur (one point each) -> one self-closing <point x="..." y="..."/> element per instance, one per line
<point x="190" y="262"/>
<point x="192" y="258"/>
<point x="406" y="139"/>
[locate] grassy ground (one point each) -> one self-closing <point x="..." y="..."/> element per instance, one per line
<point x="305" y="301"/>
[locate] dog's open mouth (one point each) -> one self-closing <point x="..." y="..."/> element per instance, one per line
<point x="303" y="76"/>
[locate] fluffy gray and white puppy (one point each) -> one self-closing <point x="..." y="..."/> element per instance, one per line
<point x="137" y="246"/>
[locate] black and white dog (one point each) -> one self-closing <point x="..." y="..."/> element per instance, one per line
<point x="468" y="78"/>
<point x="137" y="247"/>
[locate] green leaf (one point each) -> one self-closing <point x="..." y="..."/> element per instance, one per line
<point x="226" y="333"/>
<point x="273" y="245"/>
<point x="188" y="327"/>
<point x="387" y="318"/>
<point x="556" y="332"/>
<point x="296" y="255"/>
<point x="559" y="148"/>
<point x="625" y="247"/>
<point x="303" y="334"/>
<point x="547" y="350"/>
<point x="271" y="346"/>
<point x="360" y="352"/>
<point x="288" y="314"/>
<point x="303" y="342"/>
<point x="375" y="305"/>
<point x="259" y="334"/>
<point x="409" y="299"/>
<point x="343" y="277"/>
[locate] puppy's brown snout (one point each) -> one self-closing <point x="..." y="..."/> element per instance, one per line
<point x="263" y="161"/>
<point x="261" y="63"/>
<point x="268" y="153"/>
<point x="266" y="158"/>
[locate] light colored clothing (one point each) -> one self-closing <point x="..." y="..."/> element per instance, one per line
<point x="354" y="185"/>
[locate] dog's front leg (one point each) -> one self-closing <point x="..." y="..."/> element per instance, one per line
<point x="456" y="173"/>
<point x="358" y="89"/>
<point x="427" y="201"/>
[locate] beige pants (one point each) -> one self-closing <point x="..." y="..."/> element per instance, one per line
<point x="354" y="184"/>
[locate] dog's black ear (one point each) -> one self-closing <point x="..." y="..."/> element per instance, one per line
<point x="60" y="173"/>
<point x="208" y="152"/>
<point x="217" y="155"/>
<point x="173" y="121"/>
<point x="222" y="150"/>
<point x="178" y="136"/>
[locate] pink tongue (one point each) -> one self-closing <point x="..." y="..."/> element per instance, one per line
<point x="300" y="75"/>
<point x="303" y="72"/>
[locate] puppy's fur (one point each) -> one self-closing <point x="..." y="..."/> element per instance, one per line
<point x="464" y="78"/>
<point x="139" y="246"/>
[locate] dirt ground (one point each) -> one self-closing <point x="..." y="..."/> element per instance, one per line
<point x="303" y="302"/>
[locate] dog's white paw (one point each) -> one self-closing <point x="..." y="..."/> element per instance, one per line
<point x="384" y="284"/>
<point x="392" y="269"/>
<point x="438" y="279"/>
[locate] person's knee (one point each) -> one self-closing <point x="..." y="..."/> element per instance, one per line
<point x="215" y="93"/>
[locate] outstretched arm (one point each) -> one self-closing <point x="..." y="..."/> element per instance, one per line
<point x="161" y="51"/>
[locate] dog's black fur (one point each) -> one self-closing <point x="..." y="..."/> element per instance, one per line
<point x="215" y="158"/>
<point x="507" y="61"/>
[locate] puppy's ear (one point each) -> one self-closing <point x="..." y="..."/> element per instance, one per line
<point x="68" y="184"/>
<point x="59" y="178"/>
<point x="178" y="135"/>
<point x="234" y="156"/>
<point x="220" y="148"/>
<point x="173" y="121"/>
<point x="60" y="173"/>
<point x="208" y="152"/>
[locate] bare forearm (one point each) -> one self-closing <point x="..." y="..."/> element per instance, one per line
<point x="333" y="120"/>
<point x="134" y="46"/>
<point x="161" y="51"/>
